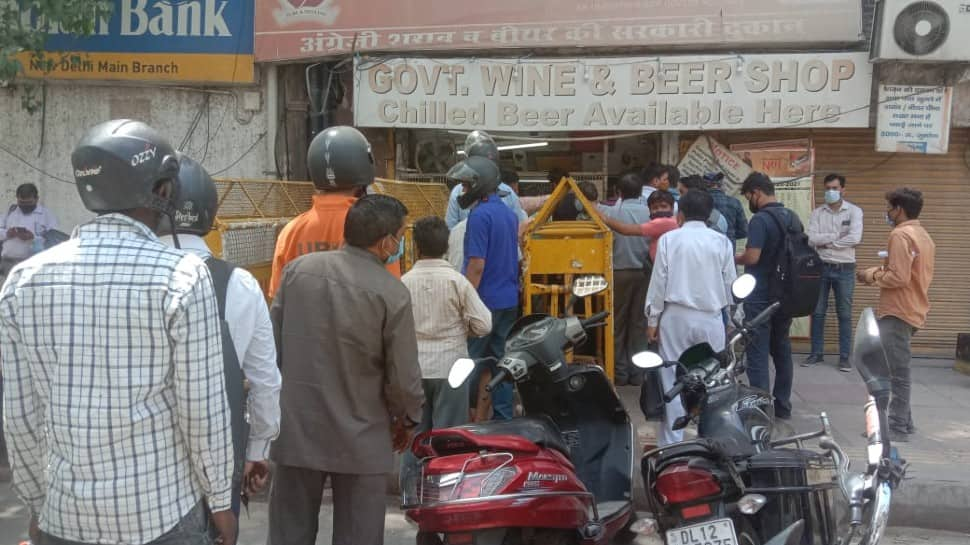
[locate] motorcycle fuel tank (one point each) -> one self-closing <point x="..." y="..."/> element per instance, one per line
<point x="738" y="414"/>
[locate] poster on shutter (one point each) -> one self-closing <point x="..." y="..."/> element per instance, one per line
<point x="708" y="155"/>
<point x="913" y="119"/>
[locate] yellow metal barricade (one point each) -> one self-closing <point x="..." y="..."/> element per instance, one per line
<point x="555" y="253"/>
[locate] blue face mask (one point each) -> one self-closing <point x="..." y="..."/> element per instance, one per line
<point x="397" y="256"/>
<point x="832" y="196"/>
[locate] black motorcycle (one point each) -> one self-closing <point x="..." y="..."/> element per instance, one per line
<point x="735" y="485"/>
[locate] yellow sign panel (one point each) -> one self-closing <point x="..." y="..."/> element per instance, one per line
<point x="181" y="67"/>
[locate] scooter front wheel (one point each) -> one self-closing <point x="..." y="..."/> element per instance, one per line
<point x="427" y="538"/>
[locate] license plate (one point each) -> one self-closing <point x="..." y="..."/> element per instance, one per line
<point x="715" y="532"/>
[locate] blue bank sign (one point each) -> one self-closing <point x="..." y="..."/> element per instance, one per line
<point x="163" y="40"/>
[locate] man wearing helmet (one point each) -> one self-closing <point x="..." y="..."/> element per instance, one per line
<point x="491" y="263"/>
<point x="116" y="413"/>
<point x="480" y="144"/>
<point x="249" y="350"/>
<point x="349" y="357"/>
<point x="341" y="166"/>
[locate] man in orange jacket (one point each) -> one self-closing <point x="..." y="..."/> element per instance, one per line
<point x="341" y="166"/>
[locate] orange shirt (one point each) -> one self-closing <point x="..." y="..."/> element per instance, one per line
<point x="319" y="229"/>
<point x="905" y="277"/>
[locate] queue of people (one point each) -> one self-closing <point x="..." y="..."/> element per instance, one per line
<point x="148" y="386"/>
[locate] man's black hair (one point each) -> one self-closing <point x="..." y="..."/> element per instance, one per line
<point x="556" y="174"/>
<point x="509" y="177"/>
<point x="760" y="181"/>
<point x="652" y="172"/>
<point x="694" y="182"/>
<point x="907" y="198"/>
<point x="27" y="191"/>
<point x="660" y="196"/>
<point x="835" y="176"/>
<point x="696" y="205"/>
<point x="431" y="237"/>
<point x="589" y="191"/>
<point x="673" y="174"/>
<point x="372" y="218"/>
<point x="630" y="186"/>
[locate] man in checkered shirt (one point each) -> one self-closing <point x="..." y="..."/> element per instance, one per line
<point x="116" y="411"/>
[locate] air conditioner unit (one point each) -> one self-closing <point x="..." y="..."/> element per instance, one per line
<point x="921" y="30"/>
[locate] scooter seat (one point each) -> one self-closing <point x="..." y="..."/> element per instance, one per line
<point x="541" y="431"/>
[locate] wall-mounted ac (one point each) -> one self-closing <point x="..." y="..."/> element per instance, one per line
<point x="921" y="30"/>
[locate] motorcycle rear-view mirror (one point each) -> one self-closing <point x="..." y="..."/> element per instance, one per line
<point x="869" y="356"/>
<point x="648" y="360"/>
<point x="586" y="285"/>
<point x="743" y="286"/>
<point x="460" y="372"/>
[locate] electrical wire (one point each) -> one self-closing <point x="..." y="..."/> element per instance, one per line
<point x="31" y="166"/>
<point x="243" y="156"/>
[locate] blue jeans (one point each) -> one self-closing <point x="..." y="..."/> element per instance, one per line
<point x="493" y="345"/>
<point x="839" y="278"/>
<point x="771" y="339"/>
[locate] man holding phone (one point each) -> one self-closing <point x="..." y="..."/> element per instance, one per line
<point x="23" y="228"/>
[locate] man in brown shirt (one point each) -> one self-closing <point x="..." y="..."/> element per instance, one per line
<point x="349" y="360"/>
<point x="904" y="281"/>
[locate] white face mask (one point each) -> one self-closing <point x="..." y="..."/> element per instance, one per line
<point x="832" y="196"/>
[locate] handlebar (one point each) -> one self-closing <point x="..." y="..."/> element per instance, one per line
<point x="674" y="392"/>
<point x="763" y="317"/>
<point x="499" y="378"/>
<point x="592" y="320"/>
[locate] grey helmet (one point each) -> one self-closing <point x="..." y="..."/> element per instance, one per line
<point x="198" y="199"/>
<point x="340" y="158"/>
<point x="118" y="164"/>
<point x="481" y="144"/>
<point x="480" y="175"/>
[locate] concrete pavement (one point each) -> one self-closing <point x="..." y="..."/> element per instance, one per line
<point x="936" y="492"/>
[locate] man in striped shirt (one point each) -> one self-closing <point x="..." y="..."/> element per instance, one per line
<point x="115" y="403"/>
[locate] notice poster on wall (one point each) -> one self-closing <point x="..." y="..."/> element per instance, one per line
<point x="789" y="164"/>
<point x="913" y="119"/>
<point x="708" y="155"/>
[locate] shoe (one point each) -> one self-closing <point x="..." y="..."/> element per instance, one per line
<point x="812" y="360"/>
<point x="620" y="381"/>
<point x="636" y="380"/>
<point x="845" y="366"/>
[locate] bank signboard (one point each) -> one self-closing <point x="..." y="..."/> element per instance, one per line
<point x="750" y="91"/>
<point x="206" y="41"/>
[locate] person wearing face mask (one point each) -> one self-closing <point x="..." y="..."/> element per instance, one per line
<point x="760" y="258"/>
<point x="835" y="229"/>
<point x="23" y="228"/>
<point x="904" y="281"/>
<point x="662" y="220"/>
<point x="351" y="394"/>
<point x="491" y="264"/>
<point x="689" y="289"/>
<point x="341" y="166"/>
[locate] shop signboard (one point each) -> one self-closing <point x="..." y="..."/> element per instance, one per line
<point x="750" y="91"/>
<point x="203" y="41"/>
<point x="310" y="29"/>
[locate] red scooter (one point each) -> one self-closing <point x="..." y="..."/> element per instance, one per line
<point x="559" y="475"/>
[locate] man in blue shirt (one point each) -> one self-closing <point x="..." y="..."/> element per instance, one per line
<point x="760" y="258"/>
<point x="480" y="144"/>
<point x="729" y="207"/>
<point x="491" y="264"/>
<point x="630" y="254"/>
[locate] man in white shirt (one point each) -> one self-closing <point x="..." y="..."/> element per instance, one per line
<point x="246" y="316"/>
<point x="447" y="311"/>
<point x="23" y="228"/>
<point x="835" y="229"/>
<point x="689" y="288"/>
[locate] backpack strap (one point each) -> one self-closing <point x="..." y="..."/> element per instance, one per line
<point x="220" y="271"/>
<point x="784" y="230"/>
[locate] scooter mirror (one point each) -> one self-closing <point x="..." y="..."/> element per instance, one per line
<point x="743" y="286"/>
<point x="647" y="360"/>
<point x="584" y="286"/>
<point x="460" y="372"/>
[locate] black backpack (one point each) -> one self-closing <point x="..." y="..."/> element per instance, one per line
<point x="797" y="279"/>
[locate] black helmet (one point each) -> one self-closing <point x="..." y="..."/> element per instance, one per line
<point x="198" y="200"/>
<point x="480" y="144"/>
<point x="480" y="174"/>
<point x="340" y="158"/>
<point x="117" y="165"/>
